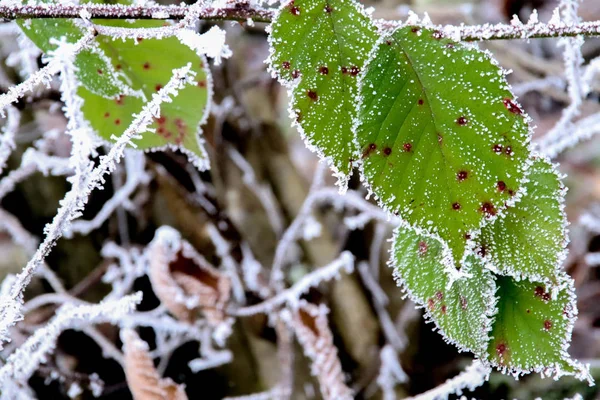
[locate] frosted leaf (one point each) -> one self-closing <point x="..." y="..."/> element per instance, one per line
<point x="317" y="50"/>
<point x="144" y="66"/>
<point x="532" y="329"/>
<point x="462" y="309"/>
<point x="530" y="241"/>
<point x="442" y="141"/>
<point x="45" y="34"/>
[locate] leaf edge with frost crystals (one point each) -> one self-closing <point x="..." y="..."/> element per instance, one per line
<point x="294" y="84"/>
<point x="525" y="164"/>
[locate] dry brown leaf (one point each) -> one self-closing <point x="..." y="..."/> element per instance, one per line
<point x="142" y="378"/>
<point x="313" y="333"/>
<point x="184" y="281"/>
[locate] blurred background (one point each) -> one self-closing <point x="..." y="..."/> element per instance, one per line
<point x="249" y="131"/>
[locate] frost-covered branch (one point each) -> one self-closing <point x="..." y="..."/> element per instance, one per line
<point x="44" y="75"/>
<point x="74" y="201"/>
<point x="292" y="295"/>
<point x="243" y="12"/>
<point x="471" y="378"/>
<point x="7" y="142"/>
<point x="233" y="11"/>
<point x="25" y="360"/>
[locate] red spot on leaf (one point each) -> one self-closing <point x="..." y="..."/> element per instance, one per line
<point x="501" y="186"/>
<point x="295" y="10"/>
<point x="450" y="45"/>
<point x="422" y="248"/>
<point x="443" y="309"/>
<point x="285" y="65"/>
<point x="344" y="70"/>
<point x="387" y="151"/>
<point x="157" y="87"/>
<point x="512" y="106"/>
<point x="146" y="65"/>
<point x="415" y="30"/>
<point x="497" y="148"/>
<point x="541" y="293"/>
<point x="312" y="95"/>
<point x="508" y="150"/>
<point x="119" y="100"/>
<point x="439" y="295"/>
<point x="547" y="324"/>
<point x="482" y="251"/>
<point x="463" y="302"/>
<point x="369" y="149"/>
<point x="201" y="84"/>
<point x="117" y="121"/>
<point x="118" y="67"/>
<point x="106" y="114"/>
<point x="431" y="304"/>
<point x="500" y="349"/>
<point x="99" y="72"/>
<point x="328" y="8"/>
<point x="295" y="73"/>
<point x="437" y="35"/>
<point x="324" y="70"/>
<point x="462" y="121"/>
<point x="420" y="102"/>
<point x="456" y="206"/>
<point x="462" y="175"/>
<point x="488" y="209"/>
<point x="407" y="146"/>
<point x="354" y="70"/>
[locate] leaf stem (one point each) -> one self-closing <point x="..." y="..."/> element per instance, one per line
<point x="242" y="12"/>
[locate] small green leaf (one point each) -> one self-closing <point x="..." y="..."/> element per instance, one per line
<point x="318" y="48"/>
<point x="530" y="241"/>
<point x="532" y="330"/>
<point x="117" y="77"/>
<point x="461" y="309"/>
<point x="443" y="144"/>
<point x="44" y="32"/>
<point x="147" y="66"/>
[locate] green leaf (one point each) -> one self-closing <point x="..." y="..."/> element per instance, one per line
<point x="443" y="144"/>
<point x="532" y="330"/>
<point x="318" y="48"/>
<point x="44" y="32"/>
<point x="460" y="308"/>
<point x="117" y="77"/>
<point x="530" y="241"/>
<point x="147" y="66"/>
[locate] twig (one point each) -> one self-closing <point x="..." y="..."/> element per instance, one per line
<point x="235" y="12"/>
<point x="243" y="12"/>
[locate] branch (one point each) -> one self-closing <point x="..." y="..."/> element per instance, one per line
<point x="243" y="11"/>
<point x="236" y="12"/>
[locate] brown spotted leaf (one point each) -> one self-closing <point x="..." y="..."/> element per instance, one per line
<point x="318" y="48"/>
<point x="443" y="144"/>
<point x="532" y="328"/>
<point x="462" y="310"/>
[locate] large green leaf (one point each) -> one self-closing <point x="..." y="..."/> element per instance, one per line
<point x="532" y="330"/>
<point x="318" y="49"/>
<point x="117" y="78"/>
<point x="443" y="144"/>
<point x="461" y="309"/>
<point x="530" y="241"/>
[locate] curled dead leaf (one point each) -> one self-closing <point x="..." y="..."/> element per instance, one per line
<point x="184" y="281"/>
<point x="142" y="378"/>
